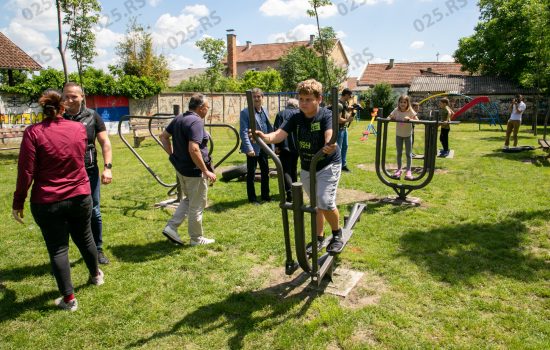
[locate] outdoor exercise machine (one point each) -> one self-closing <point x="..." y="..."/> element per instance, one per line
<point x="166" y="117"/>
<point x="489" y="108"/>
<point x="316" y="267"/>
<point x="430" y="152"/>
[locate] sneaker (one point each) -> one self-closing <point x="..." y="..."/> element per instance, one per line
<point x="320" y="243"/>
<point x="97" y="280"/>
<point x="505" y="147"/>
<point x="409" y="176"/>
<point x="172" y="235"/>
<point x="336" y="245"/>
<point x="397" y="174"/>
<point x="346" y="169"/>
<point x="201" y="241"/>
<point x="69" y="306"/>
<point x="101" y="258"/>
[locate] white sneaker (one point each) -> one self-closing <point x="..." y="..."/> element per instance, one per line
<point x="70" y="306"/>
<point x="97" y="280"/>
<point x="201" y="241"/>
<point x="172" y="235"/>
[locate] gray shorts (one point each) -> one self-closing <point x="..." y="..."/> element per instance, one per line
<point x="327" y="184"/>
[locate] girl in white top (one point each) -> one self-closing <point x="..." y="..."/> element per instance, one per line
<point x="403" y="131"/>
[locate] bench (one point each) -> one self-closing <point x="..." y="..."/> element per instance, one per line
<point x="140" y="128"/>
<point x="545" y="145"/>
<point x="13" y="134"/>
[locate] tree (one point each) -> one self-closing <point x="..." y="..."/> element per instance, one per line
<point x="380" y="96"/>
<point x="301" y="63"/>
<point x="80" y="16"/>
<point x="137" y="56"/>
<point x="268" y="80"/>
<point x="512" y="40"/>
<point x="213" y="51"/>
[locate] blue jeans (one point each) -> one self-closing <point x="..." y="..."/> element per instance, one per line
<point x="97" y="223"/>
<point x="343" y="143"/>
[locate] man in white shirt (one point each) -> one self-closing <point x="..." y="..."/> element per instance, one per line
<point x="518" y="107"/>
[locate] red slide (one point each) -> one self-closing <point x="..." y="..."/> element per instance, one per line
<point x="467" y="106"/>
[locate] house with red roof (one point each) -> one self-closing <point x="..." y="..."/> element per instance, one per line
<point x="241" y="58"/>
<point x="13" y="58"/>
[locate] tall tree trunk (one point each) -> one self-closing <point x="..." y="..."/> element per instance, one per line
<point x="60" y="45"/>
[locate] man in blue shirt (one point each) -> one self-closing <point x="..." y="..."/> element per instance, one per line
<point x="189" y="155"/>
<point x="254" y="155"/>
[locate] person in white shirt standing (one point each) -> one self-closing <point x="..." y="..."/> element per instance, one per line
<point x="518" y="107"/>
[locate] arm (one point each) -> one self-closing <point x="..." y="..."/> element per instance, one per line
<point x="276" y="136"/>
<point x="164" y="138"/>
<point x="328" y="148"/>
<point x="195" y="153"/>
<point x="244" y="126"/>
<point x="25" y="175"/>
<point x="106" y="151"/>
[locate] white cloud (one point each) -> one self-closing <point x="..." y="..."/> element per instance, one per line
<point x="294" y="8"/>
<point x="154" y="3"/>
<point x="298" y="8"/>
<point x="300" y="32"/>
<point x="446" y="58"/>
<point x="107" y="38"/>
<point x="416" y="45"/>
<point x="176" y="62"/>
<point x="197" y="10"/>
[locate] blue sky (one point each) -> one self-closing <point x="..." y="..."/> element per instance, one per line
<point x="371" y="30"/>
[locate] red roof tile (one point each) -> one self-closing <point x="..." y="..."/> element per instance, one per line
<point x="12" y="57"/>
<point x="402" y="74"/>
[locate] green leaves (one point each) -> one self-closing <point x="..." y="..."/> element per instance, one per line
<point x="137" y="55"/>
<point x="512" y="40"/>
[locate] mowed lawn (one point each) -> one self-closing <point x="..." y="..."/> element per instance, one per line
<point x="468" y="269"/>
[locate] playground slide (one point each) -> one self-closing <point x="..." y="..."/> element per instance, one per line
<point x="475" y="101"/>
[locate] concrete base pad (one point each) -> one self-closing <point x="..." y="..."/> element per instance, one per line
<point x="450" y="156"/>
<point x="418" y="156"/>
<point x="171" y="203"/>
<point x="410" y="201"/>
<point x="343" y="281"/>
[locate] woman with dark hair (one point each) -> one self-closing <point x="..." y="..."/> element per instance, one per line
<point x="52" y="159"/>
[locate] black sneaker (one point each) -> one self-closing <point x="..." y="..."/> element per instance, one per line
<point x="346" y="169"/>
<point x="336" y="244"/>
<point x="101" y="258"/>
<point x="320" y="241"/>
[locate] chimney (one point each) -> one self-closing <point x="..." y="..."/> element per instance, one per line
<point x="390" y="66"/>
<point x="231" y="55"/>
<point x="248" y="45"/>
<point x="311" y="39"/>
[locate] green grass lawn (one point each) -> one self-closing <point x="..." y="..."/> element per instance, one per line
<point x="470" y="268"/>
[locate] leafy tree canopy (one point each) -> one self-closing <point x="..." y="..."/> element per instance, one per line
<point x="512" y="40"/>
<point x="380" y="96"/>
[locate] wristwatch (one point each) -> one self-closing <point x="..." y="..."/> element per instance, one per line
<point x="108" y="165"/>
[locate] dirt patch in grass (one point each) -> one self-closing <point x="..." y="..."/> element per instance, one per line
<point x="347" y="196"/>
<point x="368" y="291"/>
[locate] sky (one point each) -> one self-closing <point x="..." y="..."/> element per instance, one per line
<point x="372" y="31"/>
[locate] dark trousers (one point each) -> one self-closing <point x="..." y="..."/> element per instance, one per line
<point x="97" y="222"/>
<point x="251" y="164"/>
<point x="289" y="160"/>
<point x="58" y="220"/>
<point x="444" y="138"/>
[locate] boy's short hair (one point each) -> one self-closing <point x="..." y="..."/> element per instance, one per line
<point x="444" y="100"/>
<point x="415" y="104"/>
<point x="310" y="86"/>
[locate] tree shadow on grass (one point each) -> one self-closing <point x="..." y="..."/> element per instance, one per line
<point x="242" y="313"/>
<point x="138" y="253"/>
<point x="20" y="273"/>
<point x="9" y="157"/>
<point x="454" y="254"/>
<point x="524" y="156"/>
<point x="10" y="308"/>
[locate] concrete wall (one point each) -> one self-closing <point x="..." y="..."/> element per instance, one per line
<point x="16" y="110"/>
<point x="225" y="108"/>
